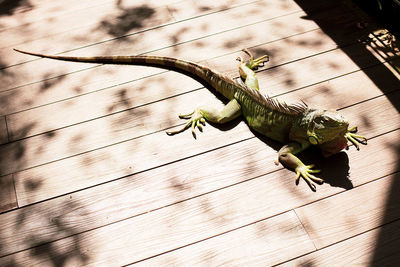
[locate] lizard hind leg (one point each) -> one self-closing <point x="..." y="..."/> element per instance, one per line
<point x="255" y="63"/>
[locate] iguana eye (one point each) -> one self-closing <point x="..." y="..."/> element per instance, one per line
<point x="313" y="140"/>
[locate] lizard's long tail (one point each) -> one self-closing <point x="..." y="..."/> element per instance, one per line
<point x="219" y="82"/>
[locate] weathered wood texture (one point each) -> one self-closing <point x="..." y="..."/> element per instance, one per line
<point x="8" y="199"/>
<point x="89" y="177"/>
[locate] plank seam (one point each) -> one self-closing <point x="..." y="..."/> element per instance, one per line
<point x="7" y="130"/>
<point x="335" y="243"/>
<point x="305" y="229"/>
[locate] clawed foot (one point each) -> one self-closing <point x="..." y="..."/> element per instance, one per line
<point x="254" y="63"/>
<point x="306" y="171"/>
<point x="196" y="119"/>
<point x="355" y="138"/>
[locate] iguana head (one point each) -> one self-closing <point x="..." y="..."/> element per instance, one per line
<point x="328" y="129"/>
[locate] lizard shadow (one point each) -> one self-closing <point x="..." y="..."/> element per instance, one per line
<point x="334" y="169"/>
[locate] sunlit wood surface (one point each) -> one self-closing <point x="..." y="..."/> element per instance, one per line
<point x="89" y="177"/>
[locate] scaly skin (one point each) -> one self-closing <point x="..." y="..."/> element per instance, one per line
<point x="296" y="125"/>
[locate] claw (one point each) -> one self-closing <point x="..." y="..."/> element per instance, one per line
<point x="248" y="53"/>
<point x="186" y="116"/>
<point x="355" y="139"/>
<point x="240" y="59"/>
<point x="254" y="63"/>
<point x="187" y="125"/>
<point x="353" y="129"/>
<point x="305" y="172"/>
<point x="195" y="118"/>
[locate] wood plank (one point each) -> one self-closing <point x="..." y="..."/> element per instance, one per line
<point x="28" y="12"/>
<point x="78" y="88"/>
<point x="264" y="243"/>
<point x="3" y="130"/>
<point x="137" y="42"/>
<point x="111" y="16"/>
<point x="265" y="196"/>
<point x="8" y="198"/>
<point x="351" y="213"/>
<point x="36" y="21"/>
<point x="104" y="77"/>
<point x="360" y="250"/>
<point x="55" y="85"/>
<point x="154" y="232"/>
<point x="141" y="193"/>
<point x="172" y="183"/>
<point x="183" y="10"/>
<point x="20" y="99"/>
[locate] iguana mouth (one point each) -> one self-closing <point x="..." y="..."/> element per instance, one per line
<point x="334" y="146"/>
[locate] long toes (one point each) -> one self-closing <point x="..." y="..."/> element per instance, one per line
<point x="186" y="116"/>
<point x="353" y="129"/>
<point x="314" y="171"/>
<point x="316" y="179"/>
<point x="311" y="185"/>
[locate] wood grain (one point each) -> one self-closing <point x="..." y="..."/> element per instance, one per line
<point x="94" y="248"/>
<point x="266" y="195"/>
<point x="90" y="15"/>
<point x="360" y="250"/>
<point x="3" y="130"/>
<point x="163" y="186"/>
<point x="349" y="214"/>
<point x="263" y="243"/>
<point x="8" y="199"/>
<point x="137" y="42"/>
<point x="89" y="80"/>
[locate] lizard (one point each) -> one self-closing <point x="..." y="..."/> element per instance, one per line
<point x="295" y="125"/>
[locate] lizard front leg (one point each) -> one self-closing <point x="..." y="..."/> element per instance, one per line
<point x="355" y="138"/>
<point x="286" y="156"/>
<point x="200" y="115"/>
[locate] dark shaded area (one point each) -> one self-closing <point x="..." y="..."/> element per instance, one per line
<point x="14" y="149"/>
<point x="72" y="249"/>
<point x="9" y="7"/>
<point x="387" y="248"/>
<point x="387" y="12"/>
<point x="129" y="19"/>
<point x="334" y="169"/>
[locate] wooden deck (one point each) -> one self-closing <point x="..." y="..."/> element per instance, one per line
<point x="89" y="177"/>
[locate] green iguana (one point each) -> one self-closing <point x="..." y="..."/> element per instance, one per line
<point x="295" y="125"/>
